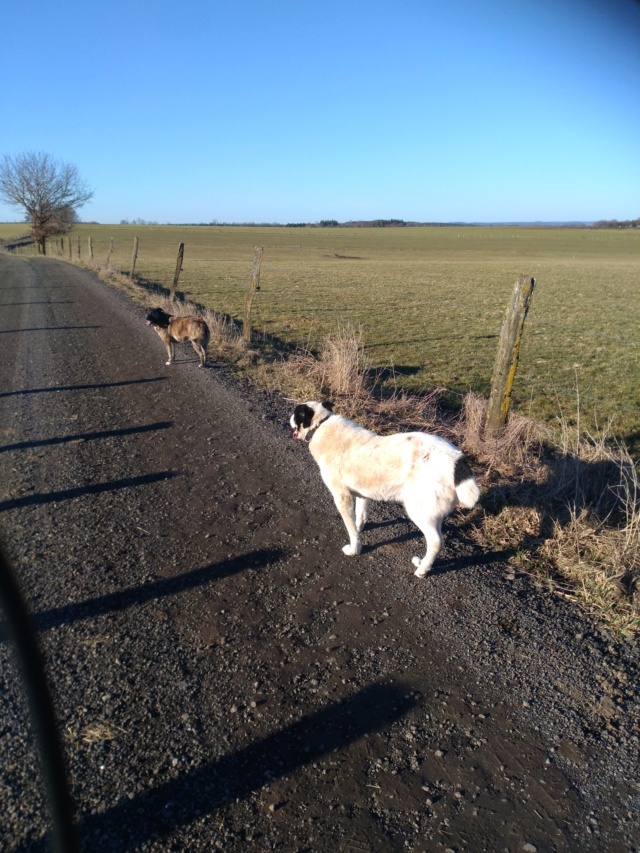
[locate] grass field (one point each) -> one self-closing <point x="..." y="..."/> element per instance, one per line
<point x="429" y="301"/>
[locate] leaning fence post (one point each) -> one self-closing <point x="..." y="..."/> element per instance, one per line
<point x="79" y="250"/>
<point x="255" y="285"/>
<point x="134" y="257"/>
<point x="506" y="362"/>
<point x="110" y="251"/>
<point x="91" y="247"/>
<point x="176" y="274"/>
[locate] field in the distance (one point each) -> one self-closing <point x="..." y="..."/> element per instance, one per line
<point x="430" y="301"/>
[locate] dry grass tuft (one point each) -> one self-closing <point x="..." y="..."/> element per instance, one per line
<point x="343" y="366"/>
<point x="600" y="567"/>
<point x="96" y="732"/>
<point x="341" y="372"/>
<point x="338" y="372"/>
<point x="522" y="440"/>
<point x="570" y="510"/>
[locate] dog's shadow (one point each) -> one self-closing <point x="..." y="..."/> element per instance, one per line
<point x="410" y="532"/>
<point x="190" y="358"/>
<point x="185" y="357"/>
<point x="443" y="564"/>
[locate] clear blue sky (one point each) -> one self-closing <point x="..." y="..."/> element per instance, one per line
<point x="282" y="111"/>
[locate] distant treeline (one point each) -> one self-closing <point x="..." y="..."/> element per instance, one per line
<point x="324" y="223"/>
<point x="615" y="223"/>
<point x="385" y="223"/>
<point x="391" y="223"/>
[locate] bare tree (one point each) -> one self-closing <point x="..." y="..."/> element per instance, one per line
<point x="47" y="190"/>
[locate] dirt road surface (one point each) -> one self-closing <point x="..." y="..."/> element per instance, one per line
<point x="224" y="678"/>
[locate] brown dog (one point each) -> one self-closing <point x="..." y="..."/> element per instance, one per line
<point x="179" y="330"/>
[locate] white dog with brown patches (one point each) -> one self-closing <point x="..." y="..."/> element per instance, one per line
<point x="426" y="473"/>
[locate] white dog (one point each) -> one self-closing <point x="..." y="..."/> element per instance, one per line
<point x="426" y="473"/>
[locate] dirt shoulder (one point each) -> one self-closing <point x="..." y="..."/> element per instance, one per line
<point x="223" y="675"/>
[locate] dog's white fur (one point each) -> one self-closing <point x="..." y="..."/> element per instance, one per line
<point x="414" y="468"/>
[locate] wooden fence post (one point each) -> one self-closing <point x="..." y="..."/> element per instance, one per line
<point x="91" y="247"/>
<point x="79" y="252"/>
<point x="134" y="258"/>
<point x="70" y="250"/>
<point x="255" y="285"/>
<point x="506" y="362"/>
<point x="109" y="255"/>
<point x="176" y="274"/>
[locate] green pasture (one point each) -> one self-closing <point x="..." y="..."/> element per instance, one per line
<point x="430" y="301"/>
<point x="12" y="229"/>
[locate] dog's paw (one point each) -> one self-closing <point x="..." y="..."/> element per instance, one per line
<point x="421" y="570"/>
<point x="168" y="362"/>
<point x="419" y="573"/>
<point x="352" y="551"/>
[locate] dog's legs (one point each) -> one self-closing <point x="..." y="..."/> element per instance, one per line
<point x="431" y="526"/>
<point x="362" y="513"/>
<point x="169" y="347"/>
<point x="200" y="350"/>
<point x="346" y="507"/>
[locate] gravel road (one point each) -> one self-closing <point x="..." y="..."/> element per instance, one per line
<point x="223" y="676"/>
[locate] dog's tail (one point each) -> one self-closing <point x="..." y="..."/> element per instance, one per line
<point x="466" y="487"/>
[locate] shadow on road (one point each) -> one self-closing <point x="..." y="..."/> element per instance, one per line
<point x="81" y="491"/>
<point x="122" y="599"/>
<point x="97" y="387"/>
<point x="46" y="329"/>
<point x="87" y="436"/>
<point x="158" y="811"/>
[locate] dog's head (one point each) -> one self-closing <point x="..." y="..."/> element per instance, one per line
<point x="308" y="416"/>
<point x="158" y="317"/>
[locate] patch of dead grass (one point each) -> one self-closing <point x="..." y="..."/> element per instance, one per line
<point x="96" y="731"/>
<point x="569" y="510"/>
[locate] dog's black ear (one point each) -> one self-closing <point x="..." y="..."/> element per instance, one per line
<point x="303" y="415"/>
<point x="328" y="405"/>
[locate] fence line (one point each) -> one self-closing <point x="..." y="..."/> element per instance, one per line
<point x="535" y="326"/>
<point x="534" y="323"/>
